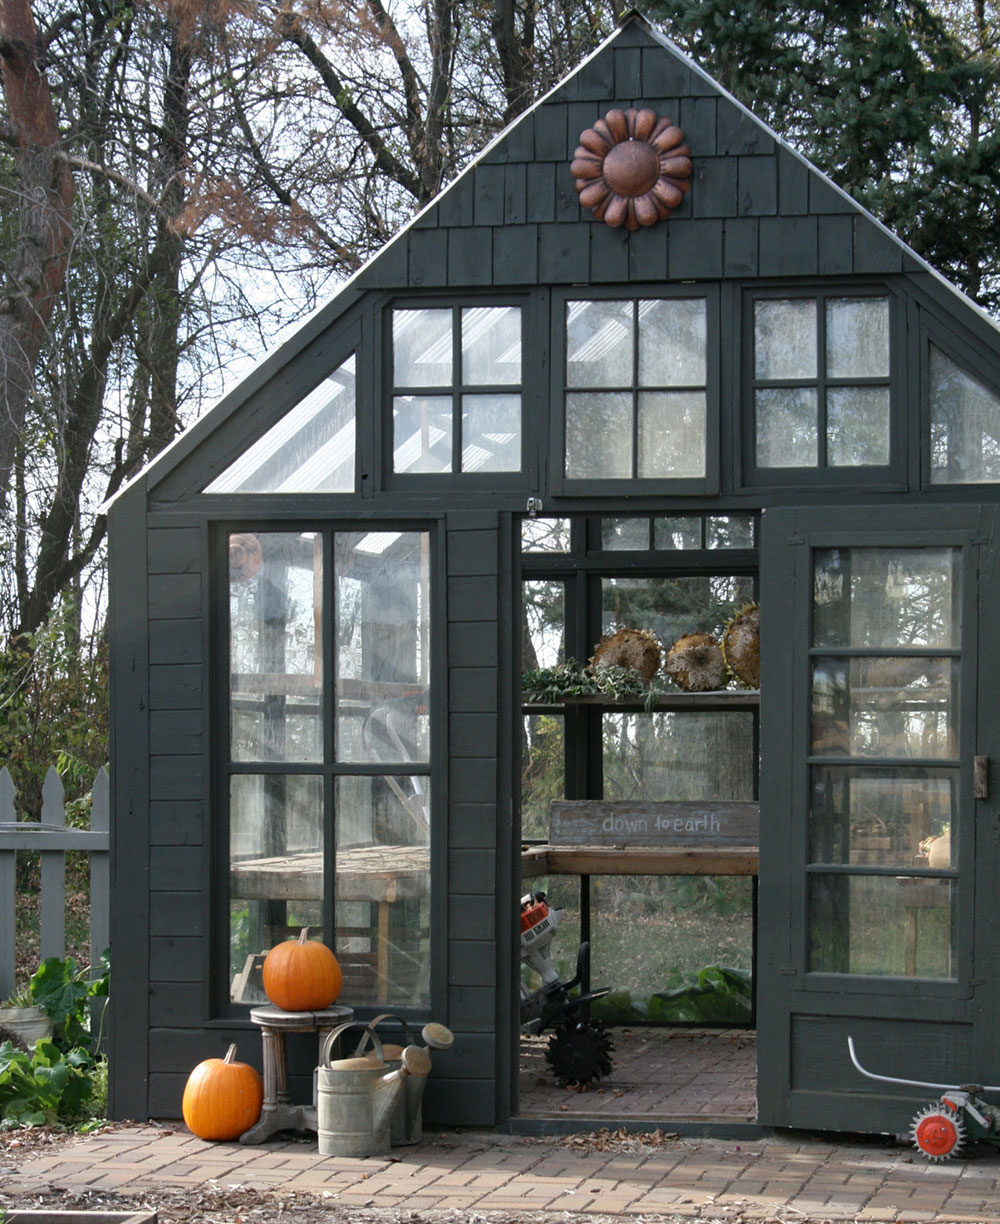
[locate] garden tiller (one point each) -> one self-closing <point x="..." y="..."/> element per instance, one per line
<point x="579" y="1049"/>
<point x="960" y="1115"/>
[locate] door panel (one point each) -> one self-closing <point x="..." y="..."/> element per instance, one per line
<point x="870" y="719"/>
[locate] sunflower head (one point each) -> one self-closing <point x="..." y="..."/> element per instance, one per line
<point x="632" y="168"/>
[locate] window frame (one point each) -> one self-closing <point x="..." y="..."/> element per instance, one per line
<point x="220" y="1006"/>
<point x="524" y="476"/>
<point x="707" y="485"/>
<point x="887" y="477"/>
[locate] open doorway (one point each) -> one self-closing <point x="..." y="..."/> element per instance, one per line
<point x="669" y="919"/>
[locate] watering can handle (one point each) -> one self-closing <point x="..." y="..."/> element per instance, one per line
<point x="370" y="1032"/>
<point x="330" y="1040"/>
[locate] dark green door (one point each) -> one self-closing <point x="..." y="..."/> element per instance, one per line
<point x="878" y="852"/>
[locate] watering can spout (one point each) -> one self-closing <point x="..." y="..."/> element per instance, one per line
<point x="416" y="1061"/>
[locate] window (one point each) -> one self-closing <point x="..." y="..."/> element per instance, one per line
<point x="456" y="389"/>
<point x="636" y="389"/>
<point x="965" y="425"/>
<point x="310" y="450"/>
<point x="884" y="768"/>
<point x="819" y="368"/>
<point x="329" y="777"/>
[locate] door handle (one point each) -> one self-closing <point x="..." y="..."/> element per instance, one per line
<point x="981" y="777"/>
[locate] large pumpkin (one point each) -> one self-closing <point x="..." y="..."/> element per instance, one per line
<point x="302" y="975"/>
<point x="222" y="1097"/>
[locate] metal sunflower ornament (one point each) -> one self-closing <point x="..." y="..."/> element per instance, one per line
<point x="632" y="168"/>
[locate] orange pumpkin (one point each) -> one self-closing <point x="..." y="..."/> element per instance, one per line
<point x="302" y="975"/>
<point x="222" y="1098"/>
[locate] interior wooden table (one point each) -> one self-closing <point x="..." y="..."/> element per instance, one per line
<point x="380" y="874"/>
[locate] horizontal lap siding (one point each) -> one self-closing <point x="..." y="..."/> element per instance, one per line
<point x="462" y="1089"/>
<point x="179" y="777"/>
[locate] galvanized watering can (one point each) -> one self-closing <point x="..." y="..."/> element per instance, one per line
<point x="356" y="1097"/>
<point x="407" y="1117"/>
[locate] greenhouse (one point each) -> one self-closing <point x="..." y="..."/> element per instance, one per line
<point x="615" y="549"/>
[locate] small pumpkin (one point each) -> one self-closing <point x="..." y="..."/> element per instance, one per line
<point x="302" y="975"/>
<point x="222" y="1097"/>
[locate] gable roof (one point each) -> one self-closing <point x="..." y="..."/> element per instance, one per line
<point x="757" y="208"/>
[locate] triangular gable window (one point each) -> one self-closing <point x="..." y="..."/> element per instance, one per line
<point x="965" y="425"/>
<point x="310" y="450"/>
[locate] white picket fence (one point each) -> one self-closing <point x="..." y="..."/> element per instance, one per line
<point x="53" y="838"/>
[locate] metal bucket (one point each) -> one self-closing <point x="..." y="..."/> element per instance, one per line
<point x="355" y="1100"/>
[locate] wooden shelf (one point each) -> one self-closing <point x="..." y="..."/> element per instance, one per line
<point x="638" y="860"/>
<point x="720" y="699"/>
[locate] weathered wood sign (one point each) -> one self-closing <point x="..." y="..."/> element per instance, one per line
<point x="590" y="822"/>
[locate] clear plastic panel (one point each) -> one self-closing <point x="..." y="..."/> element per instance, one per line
<point x="874" y="598"/>
<point x="857" y="337"/>
<point x="543" y="753"/>
<point x="625" y="534"/>
<point x="275" y="658"/>
<point x="599" y="344"/>
<point x="491" y="345"/>
<point x="543" y="627"/>
<point x="965" y="425"/>
<point x="785" y="339"/>
<point x="422" y="433"/>
<point x="673" y="342"/>
<point x="857" y="426"/>
<point x="680" y="532"/>
<point x="599" y="435"/>
<point x="671" y="434"/>
<point x="545" y="535"/>
<point x="884" y="926"/>
<point x="679" y="755"/>
<point x="491" y="433"/>
<point x="422" y="348"/>
<point x="787" y="434"/>
<point x="275" y="870"/>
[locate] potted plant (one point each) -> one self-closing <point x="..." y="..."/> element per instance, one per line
<point x="22" y="1021"/>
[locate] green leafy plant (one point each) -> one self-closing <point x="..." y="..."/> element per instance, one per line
<point x="61" y="1080"/>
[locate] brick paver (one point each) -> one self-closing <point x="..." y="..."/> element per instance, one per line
<point x="780" y="1177"/>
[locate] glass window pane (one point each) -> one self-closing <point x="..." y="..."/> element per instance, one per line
<point x="275" y="660"/>
<point x="670" y="607"/>
<point x="785" y="339"/>
<point x="882" y="817"/>
<point x="543" y="750"/>
<point x="887" y="597"/>
<point x="491" y="345"/>
<point x="421" y="428"/>
<point x="543" y="624"/>
<point x="310" y="450"/>
<point x="889" y="926"/>
<point x="382" y="589"/>
<point x="599" y="344"/>
<point x="787" y="434"/>
<point x="729" y="531"/>
<point x="965" y="425"/>
<point x="545" y="535"/>
<point x="625" y="534"/>
<point x="491" y="433"/>
<point x="885" y="707"/>
<point x="599" y="436"/>
<point x="678" y="755"/>
<point x="422" y="348"/>
<point x="857" y="337"/>
<point x="683" y="531"/>
<point x="383" y="888"/>
<point x="857" y="426"/>
<point x="671" y="433"/>
<point x="275" y="870"/>
<point x="673" y="343"/>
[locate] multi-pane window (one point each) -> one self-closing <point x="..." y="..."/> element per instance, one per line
<point x="965" y="425"/>
<point x="329" y="755"/>
<point x="310" y="450"/>
<point x="636" y="389"/>
<point x="884" y="761"/>
<point x="820" y="381"/>
<point x="456" y="389"/>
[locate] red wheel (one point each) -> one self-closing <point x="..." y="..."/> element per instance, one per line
<point x="938" y="1132"/>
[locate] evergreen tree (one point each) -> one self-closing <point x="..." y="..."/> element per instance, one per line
<point x="896" y="101"/>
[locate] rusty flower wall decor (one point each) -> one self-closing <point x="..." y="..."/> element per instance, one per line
<point x="632" y="168"/>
